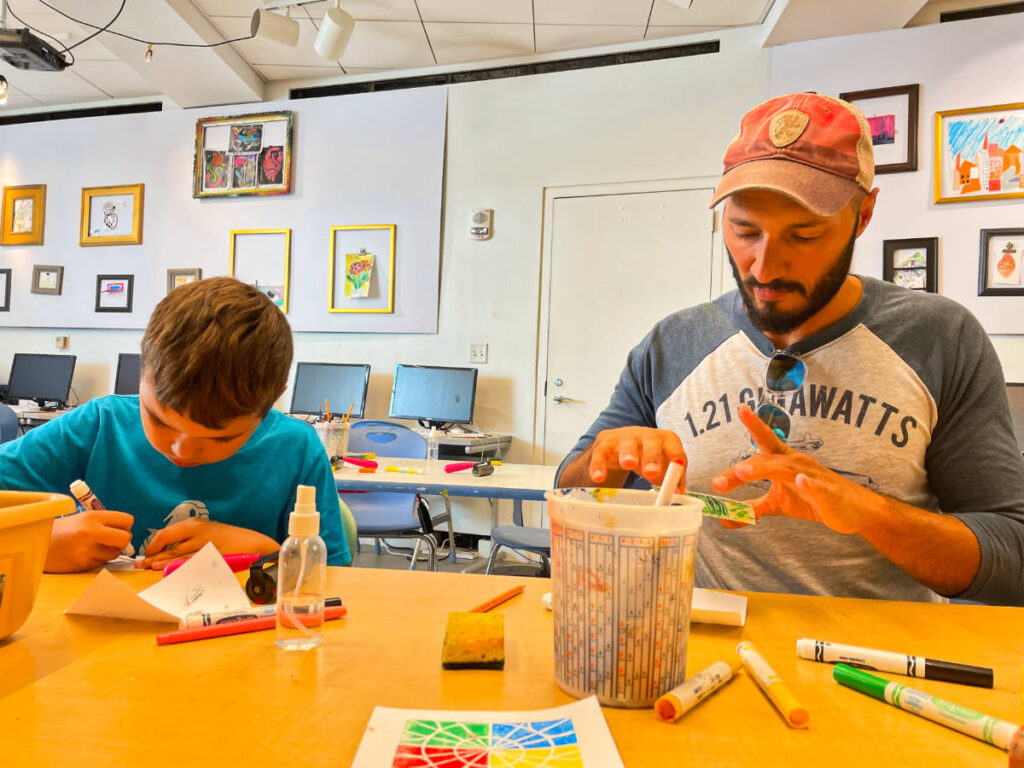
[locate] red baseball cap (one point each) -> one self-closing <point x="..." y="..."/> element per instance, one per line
<point x="812" y="148"/>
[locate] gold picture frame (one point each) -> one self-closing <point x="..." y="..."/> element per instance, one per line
<point x="258" y="259"/>
<point x="24" y="215"/>
<point x="386" y="291"/>
<point x="243" y="155"/>
<point x="106" y="212"/>
<point x="979" y="153"/>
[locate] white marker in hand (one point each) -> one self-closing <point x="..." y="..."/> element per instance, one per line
<point x="669" y="484"/>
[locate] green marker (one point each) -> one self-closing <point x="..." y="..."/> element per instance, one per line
<point x="730" y="509"/>
<point x="985" y="728"/>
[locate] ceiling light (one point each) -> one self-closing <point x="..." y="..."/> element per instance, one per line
<point x="271" y="26"/>
<point x="3" y="90"/>
<point x="335" y="30"/>
<point x="149" y="54"/>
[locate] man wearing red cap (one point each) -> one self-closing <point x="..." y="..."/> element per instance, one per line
<point x="867" y="423"/>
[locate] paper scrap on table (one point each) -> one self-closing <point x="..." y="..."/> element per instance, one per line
<point x="573" y="735"/>
<point x="204" y="583"/>
<point x="708" y="607"/>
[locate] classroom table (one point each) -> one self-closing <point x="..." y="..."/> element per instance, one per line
<point x="85" y="692"/>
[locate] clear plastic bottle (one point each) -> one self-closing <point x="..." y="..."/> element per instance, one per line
<point x="434" y="445"/>
<point x="301" y="577"/>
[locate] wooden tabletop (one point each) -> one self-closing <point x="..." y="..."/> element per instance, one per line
<point x="83" y="692"/>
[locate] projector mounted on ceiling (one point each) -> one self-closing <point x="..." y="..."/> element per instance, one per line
<point x="23" y="50"/>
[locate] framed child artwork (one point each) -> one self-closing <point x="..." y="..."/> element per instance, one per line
<point x="892" y="116"/>
<point x="5" y="290"/>
<point x="243" y="155"/>
<point x="24" y="213"/>
<point x="112" y="215"/>
<point x="999" y="269"/>
<point x="47" y="278"/>
<point x="179" y="277"/>
<point x="912" y="263"/>
<point x="114" y="293"/>
<point x="262" y="257"/>
<point x="978" y="153"/>
<point x="361" y="275"/>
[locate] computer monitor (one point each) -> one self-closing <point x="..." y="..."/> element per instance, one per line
<point x="43" y="378"/>
<point x="435" y="396"/>
<point x="1015" y="394"/>
<point x="340" y="384"/>
<point x="129" y="367"/>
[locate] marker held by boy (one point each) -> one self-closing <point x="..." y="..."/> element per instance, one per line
<point x="669" y="484"/>
<point x="991" y="730"/>
<point x="238" y="561"/>
<point x="772" y="685"/>
<point x="684" y="697"/>
<point x="898" y="663"/>
<point x="81" y="491"/>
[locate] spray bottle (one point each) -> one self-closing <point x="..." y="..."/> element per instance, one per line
<point x="301" y="577"/>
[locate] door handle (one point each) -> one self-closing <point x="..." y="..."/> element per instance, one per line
<point x="559" y="399"/>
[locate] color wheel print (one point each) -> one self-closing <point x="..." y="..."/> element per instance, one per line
<point x="454" y="744"/>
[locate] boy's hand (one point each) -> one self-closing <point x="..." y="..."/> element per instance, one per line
<point x="87" y="540"/>
<point x="189" y="536"/>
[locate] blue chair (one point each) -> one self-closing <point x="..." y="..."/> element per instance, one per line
<point x="385" y="515"/>
<point x="521" y="538"/>
<point x="8" y="423"/>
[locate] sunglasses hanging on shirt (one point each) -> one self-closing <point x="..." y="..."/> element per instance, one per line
<point x="785" y="373"/>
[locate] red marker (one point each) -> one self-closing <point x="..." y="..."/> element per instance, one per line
<point x="458" y="466"/>
<point x="236" y="562"/>
<point x="238" y="627"/>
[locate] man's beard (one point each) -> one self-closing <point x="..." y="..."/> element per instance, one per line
<point x="773" y="320"/>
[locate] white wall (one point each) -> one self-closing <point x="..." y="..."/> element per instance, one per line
<point x="962" y="64"/>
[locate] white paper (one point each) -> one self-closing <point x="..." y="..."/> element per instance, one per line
<point x="573" y="735"/>
<point x="708" y="607"/>
<point x="204" y="583"/>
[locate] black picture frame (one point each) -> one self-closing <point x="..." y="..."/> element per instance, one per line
<point x="909" y="276"/>
<point x="129" y="289"/>
<point x="912" y="94"/>
<point x="989" y="284"/>
<point x="5" y="294"/>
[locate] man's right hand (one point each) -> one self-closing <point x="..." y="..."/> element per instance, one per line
<point x="87" y="540"/>
<point x="617" y="452"/>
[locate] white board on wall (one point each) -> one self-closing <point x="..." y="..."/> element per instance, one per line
<point x="357" y="160"/>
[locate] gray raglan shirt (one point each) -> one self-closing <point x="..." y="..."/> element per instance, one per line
<point x="904" y="395"/>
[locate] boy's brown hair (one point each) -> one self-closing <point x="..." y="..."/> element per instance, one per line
<point x="216" y="350"/>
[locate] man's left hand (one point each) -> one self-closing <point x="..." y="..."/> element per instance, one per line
<point x="800" y="486"/>
<point x="186" y="538"/>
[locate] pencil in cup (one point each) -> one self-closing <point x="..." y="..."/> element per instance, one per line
<point x="773" y="686"/>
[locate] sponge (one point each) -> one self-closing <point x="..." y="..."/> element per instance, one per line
<point x="474" y="641"/>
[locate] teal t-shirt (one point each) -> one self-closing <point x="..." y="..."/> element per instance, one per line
<point x="103" y="443"/>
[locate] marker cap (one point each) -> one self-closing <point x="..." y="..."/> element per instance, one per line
<point x="951" y="672"/>
<point x="1017" y="749"/>
<point x="861" y="681"/>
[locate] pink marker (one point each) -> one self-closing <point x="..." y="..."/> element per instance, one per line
<point x="365" y="463"/>
<point x="236" y="562"/>
<point x="458" y="466"/>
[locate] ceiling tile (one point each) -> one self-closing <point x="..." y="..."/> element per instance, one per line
<point x="370" y="10"/>
<point x="716" y="13"/>
<point x="388" y="45"/>
<point x="43" y="84"/>
<point x="564" y="37"/>
<point x="494" y="12"/>
<point x="229" y="7"/>
<point x="478" y="42"/>
<point x="116" y="78"/>
<point x="611" y="12"/>
<point x="656" y="33"/>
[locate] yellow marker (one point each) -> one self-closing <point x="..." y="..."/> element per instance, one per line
<point x="496" y="462"/>
<point x="681" y="699"/>
<point x="406" y="470"/>
<point x="772" y="685"/>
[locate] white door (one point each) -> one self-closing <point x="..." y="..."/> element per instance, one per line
<point x="614" y="264"/>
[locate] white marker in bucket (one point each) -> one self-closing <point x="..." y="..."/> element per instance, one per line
<point x="668" y="485"/>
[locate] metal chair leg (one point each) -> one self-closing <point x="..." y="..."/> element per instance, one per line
<point x="490" y="560"/>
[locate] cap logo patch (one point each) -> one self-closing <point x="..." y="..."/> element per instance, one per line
<point x="787" y="126"/>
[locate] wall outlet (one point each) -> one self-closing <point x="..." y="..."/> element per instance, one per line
<point x="63" y="341"/>
<point x="478" y="353"/>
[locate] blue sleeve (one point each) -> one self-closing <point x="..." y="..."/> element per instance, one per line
<point x="51" y="456"/>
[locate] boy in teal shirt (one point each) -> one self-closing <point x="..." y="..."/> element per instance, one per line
<point x="198" y="455"/>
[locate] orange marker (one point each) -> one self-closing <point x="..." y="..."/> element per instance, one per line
<point x="671" y="706"/>
<point x="494" y="601"/>
<point x="772" y="685"/>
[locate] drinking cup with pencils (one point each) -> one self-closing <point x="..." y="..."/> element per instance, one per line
<point x="334" y="436"/>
